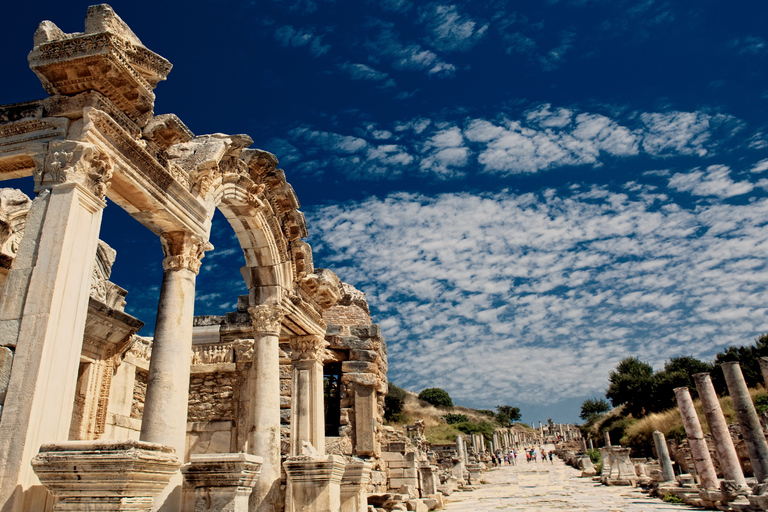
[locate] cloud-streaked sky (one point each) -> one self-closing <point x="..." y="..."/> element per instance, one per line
<point x="527" y="192"/>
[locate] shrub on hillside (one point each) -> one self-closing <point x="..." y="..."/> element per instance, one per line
<point x="436" y="396"/>
<point x="452" y="419"/>
<point x="393" y="404"/>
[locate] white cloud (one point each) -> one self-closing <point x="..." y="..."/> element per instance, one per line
<point x="387" y="45"/>
<point x="676" y="133"/>
<point x="449" y="30"/>
<point x="715" y="181"/>
<point x="488" y="284"/>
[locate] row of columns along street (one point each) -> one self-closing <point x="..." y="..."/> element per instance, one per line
<point x="546" y="486"/>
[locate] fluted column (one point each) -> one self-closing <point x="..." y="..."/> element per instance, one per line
<point x="165" y="407"/>
<point x="263" y="416"/>
<point x="699" y="450"/>
<point x="43" y="310"/>
<point x="726" y="452"/>
<point x="754" y="439"/>
<point x="307" y="409"/>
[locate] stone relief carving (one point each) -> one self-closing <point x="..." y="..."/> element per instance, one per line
<point x="308" y="347"/>
<point x="183" y="251"/>
<point x="266" y="318"/>
<point x="14" y="206"/>
<point x="141" y="348"/>
<point x="78" y="162"/>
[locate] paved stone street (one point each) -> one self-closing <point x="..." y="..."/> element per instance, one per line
<point x="544" y="487"/>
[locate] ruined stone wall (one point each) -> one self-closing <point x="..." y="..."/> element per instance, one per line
<point x="211" y="397"/>
<point x="139" y="394"/>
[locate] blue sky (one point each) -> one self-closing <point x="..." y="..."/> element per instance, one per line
<point x="526" y="191"/>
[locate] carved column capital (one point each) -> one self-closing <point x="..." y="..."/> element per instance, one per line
<point x="266" y="318"/>
<point x="75" y="162"/>
<point x="183" y="251"/>
<point x="308" y="347"/>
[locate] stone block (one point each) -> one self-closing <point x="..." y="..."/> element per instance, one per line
<point x="365" y="331"/>
<point x="364" y="379"/>
<point x="364" y="355"/>
<point x="439" y="501"/>
<point x="333" y="330"/>
<point x="349" y="343"/>
<point x="396" y="447"/>
<point x="417" y="505"/>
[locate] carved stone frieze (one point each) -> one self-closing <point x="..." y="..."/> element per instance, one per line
<point x="243" y="350"/>
<point x="183" y="251"/>
<point x="166" y="130"/>
<point x="302" y="258"/>
<point x="17" y="136"/>
<point x="266" y="318"/>
<point x="107" y="58"/>
<point x="294" y="225"/>
<point x="141" y="348"/>
<point x="79" y="162"/>
<point x="308" y="348"/>
<point x="14" y="206"/>
<point x="259" y="162"/>
<point x="323" y="286"/>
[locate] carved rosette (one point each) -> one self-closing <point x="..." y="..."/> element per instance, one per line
<point x="308" y="348"/>
<point x="69" y="161"/>
<point x="183" y="251"/>
<point x="266" y="318"/>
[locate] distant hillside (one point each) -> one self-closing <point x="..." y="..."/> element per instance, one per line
<point x="438" y="431"/>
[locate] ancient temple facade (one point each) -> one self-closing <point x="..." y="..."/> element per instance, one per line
<point x="275" y="406"/>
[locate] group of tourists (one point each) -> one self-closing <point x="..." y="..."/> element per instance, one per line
<point x="531" y="455"/>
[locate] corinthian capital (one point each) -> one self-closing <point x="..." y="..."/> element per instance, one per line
<point x="308" y="347"/>
<point x="183" y="251"/>
<point x="78" y="162"/>
<point x="266" y="318"/>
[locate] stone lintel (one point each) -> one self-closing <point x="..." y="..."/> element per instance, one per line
<point x="322" y="469"/>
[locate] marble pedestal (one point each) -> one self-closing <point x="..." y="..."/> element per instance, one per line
<point x="223" y="482"/>
<point x="105" y="475"/>
<point x="353" y="486"/>
<point x="314" y="483"/>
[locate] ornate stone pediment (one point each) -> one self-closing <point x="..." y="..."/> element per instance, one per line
<point x="106" y="57"/>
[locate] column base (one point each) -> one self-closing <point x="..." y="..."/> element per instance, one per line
<point x="315" y="483"/>
<point x="105" y="475"/>
<point x="223" y="482"/>
<point x="353" y="486"/>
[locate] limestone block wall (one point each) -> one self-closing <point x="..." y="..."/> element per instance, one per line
<point x="211" y="397"/>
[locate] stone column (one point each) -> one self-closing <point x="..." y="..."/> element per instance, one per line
<point x="263" y="415"/>
<point x="726" y="452"/>
<point x="165" y="407"/>
<point x="43" y="311"/>
<point x="307" y="409"/>
<point x="764" y="370"/>
<point x="699" y="449"/>
<point x="665" y="462"/>
<point x="315" y="483"/>
<point x="607" y="439"/>
<point x="754" y="439"/>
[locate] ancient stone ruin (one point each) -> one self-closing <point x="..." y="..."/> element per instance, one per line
<point x="213" y="413"/>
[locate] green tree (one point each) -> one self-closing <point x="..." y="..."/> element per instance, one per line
<point x="678" y="373"/>
<point x="506" y="414"/>
<point x="436" y="396"/>
<point x="632" y="385"/>
<point x="748" y="358"/>
<point x="394" y="401"/>
<point x="593" y="407"/>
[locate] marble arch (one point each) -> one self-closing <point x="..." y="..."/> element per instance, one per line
<point x="96" y="137"/>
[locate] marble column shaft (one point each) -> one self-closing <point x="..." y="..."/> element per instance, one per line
<point x="726" y="452"/>
<point x="165" y="407"/>
<point x="307" y="406"/>
<point x="264" y="405"/>
<point x="699" y="449"/>
<point x="665" y="461"/>
<point x="752" y="432"/>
